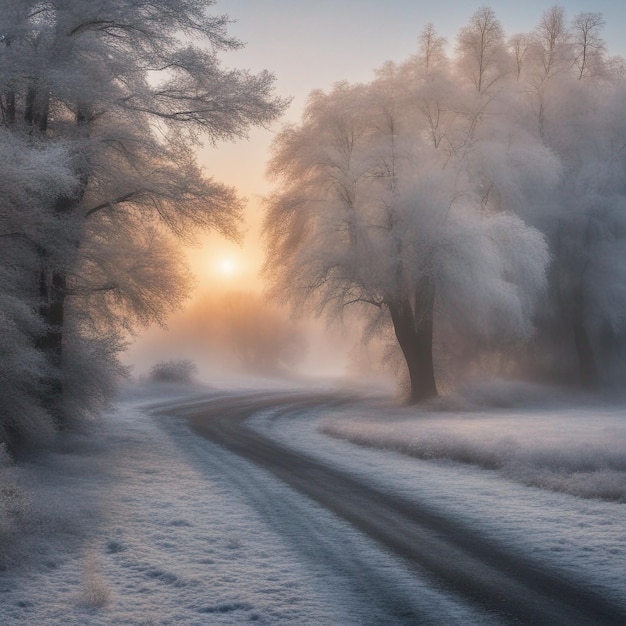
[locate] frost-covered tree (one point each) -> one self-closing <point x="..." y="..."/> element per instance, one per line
<point x="127" y="89"/>
<point x="576" y="98"/>
<point x="418" y="196"/>
<point x="586" y="330"/>
<point x="175" y="371"/>
<point x="550" y="63"/>
<point x="435" y="88"/>
<point x="370" y="212"/>
<point x="589" y="47"/>
<point x="431" y="49"/>
<point x="481" y="50"/>
<point x="520" y="45"/>
<point x="32" y="174"/>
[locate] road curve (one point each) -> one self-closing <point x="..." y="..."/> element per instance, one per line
<point x="456" y="557"/>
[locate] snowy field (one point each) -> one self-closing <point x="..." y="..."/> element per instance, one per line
<point x="580" y="451"/>
<point x="142" y="522"/>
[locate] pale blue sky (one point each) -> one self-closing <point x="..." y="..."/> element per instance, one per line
<point x="313" y="43"/>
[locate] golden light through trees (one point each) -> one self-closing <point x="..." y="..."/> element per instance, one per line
<point x="220" y="265"/>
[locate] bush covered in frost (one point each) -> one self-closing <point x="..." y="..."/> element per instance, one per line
<point x="181" y="371"/>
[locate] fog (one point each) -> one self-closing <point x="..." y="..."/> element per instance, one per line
<point x="460" y="216"/>
<point x="240" y="333"/>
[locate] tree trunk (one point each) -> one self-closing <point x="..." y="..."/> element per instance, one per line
<point x="414" y="332"/>
<point x="586" y="361"/>
<point x="10" y="108"/>
<point x="587" y="369"/>
<point x="51" y="311"/>
<point x="52" y="294"/>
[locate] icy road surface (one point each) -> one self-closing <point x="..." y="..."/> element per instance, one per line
<point x="264" y="519"/>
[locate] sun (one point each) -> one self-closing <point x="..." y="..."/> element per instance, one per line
<point x="226" y="266"/>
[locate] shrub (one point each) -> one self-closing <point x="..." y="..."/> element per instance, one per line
<point x="182" y="371"/>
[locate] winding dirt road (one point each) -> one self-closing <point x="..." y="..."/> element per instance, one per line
<point x="458" y="559"/>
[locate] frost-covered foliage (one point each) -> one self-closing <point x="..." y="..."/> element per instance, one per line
<point x="23" y="370"/>
<point x="572" y="96"/>
<point x="473" y="203"/>
<point x="31" y="174"/>
<point x="175" y="371"/>
<point x="380" y="206"/>
<point x="101" y="105"/>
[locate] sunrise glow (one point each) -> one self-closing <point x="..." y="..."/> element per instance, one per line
<point x="226" y="266"/>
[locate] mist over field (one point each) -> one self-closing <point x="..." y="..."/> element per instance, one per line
<point x="457" y="218"/>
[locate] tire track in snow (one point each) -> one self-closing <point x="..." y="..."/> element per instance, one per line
<point x="461" y="560"/>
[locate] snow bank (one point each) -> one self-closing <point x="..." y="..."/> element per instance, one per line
<point x="577" y="451"/>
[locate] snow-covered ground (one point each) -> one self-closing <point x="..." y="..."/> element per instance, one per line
<point x="580" y="451"/>
<point x="139" y="521"/>
<point x="142" y="522"/>
<point x="549" y="483"/>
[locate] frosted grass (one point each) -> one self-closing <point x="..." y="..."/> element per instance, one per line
<point x="142" y="522"/>
<point x="577" y="451"/>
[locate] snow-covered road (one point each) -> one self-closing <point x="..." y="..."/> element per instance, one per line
<point x="273" y="522"/>
<point x="468" y="563"/>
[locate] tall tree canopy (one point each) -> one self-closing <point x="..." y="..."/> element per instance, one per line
<point x="102" y="104"/>
<point x="377" y="209"/>
<point x="472" y="203"/>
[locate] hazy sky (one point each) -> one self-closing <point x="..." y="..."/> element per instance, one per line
<point x="312" y="44"/>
